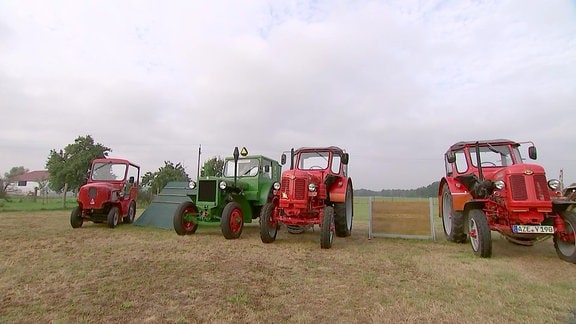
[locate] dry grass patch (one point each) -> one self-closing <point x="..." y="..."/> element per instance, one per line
<point x="50" y="272"/>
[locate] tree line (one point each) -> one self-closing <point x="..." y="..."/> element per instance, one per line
<point x="428" y="191"/>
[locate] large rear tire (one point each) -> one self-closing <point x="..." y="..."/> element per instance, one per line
<point x="328" y="228"/>
<point x="113" y="217"/>
<point x="131" y="215"/>
<point x="452" y="221"/>
<point x="565" y="243"/>
<point x="182" y="225"/>
<point x="76" y="217"/>
<point x="232" y="221"/>
<point x="268" y="227"/>
<point x="479" y="231"/>
<point x="344" y="213"/>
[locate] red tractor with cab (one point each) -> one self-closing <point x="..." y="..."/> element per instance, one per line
<point x="489" y="187"/>
<point x="109" y="194"/>
<point x="315" y="191"/>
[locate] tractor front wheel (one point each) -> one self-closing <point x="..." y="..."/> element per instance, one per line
<point x="129" y="218"/>
<point x="327" y="230"/>
<point x="343" y="213"/>
<point x="232" y="220"/>
<point x="182" y="225"/>
<point x="113" y="217"/>
<point x="479" y="231"/>
<point x="452" y="222"/>
<point x="268" y="228"/>
<point x="76" y="217"/>
<point x="565" y="242"/>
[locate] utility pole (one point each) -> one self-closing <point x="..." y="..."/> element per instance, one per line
<point x="198" y="170"/>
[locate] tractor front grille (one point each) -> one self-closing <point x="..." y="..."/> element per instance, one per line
<point x="207" y="190"/>
<point x="519" y="187"/>
<point x="294" y="188"/>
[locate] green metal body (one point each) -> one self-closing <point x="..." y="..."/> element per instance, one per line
<point x="251" y="188"/>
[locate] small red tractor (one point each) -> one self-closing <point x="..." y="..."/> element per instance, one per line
<point x="109" y="195"/>
<point x="315" y="191"/>
<point x="488" y="187"/>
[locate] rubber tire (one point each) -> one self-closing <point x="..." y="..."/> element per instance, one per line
<point x="113" y="217"/>
<point x="131" y="215"/>
<point x="480" y="235"/>
<point x="344" y="213"/>
<point x="567" y="250"/>
<point x="452" y="222"/>
<point x="76" y="219"/>
<point x="181" y="226"/>
<point x="232" y="221"/>
<point x="327" y="230"/>
<point x="268" y="228"/>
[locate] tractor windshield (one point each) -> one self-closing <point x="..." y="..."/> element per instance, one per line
<point x="108" y="171"/>
<point x="495" y="156"/>
<point x="246" y="168"/>
<point x="313" y="160"/>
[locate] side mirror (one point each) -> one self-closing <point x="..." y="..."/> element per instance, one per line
<point x="283" y="159"/>
<point x="131" y="179"/>
<point x="450" y="157"/>
<point x="345" y="158"/>
<point x="532" y="152"/>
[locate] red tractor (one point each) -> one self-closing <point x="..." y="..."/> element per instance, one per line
<point x="109" y="194"/>
<point x="315" y="191"/>
<point x="488" y="187"/>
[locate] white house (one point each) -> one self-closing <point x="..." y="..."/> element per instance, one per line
<point x="28" y="183"/>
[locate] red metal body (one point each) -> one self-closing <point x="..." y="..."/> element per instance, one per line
<point x="112" y="185"/>
<point x="490" y="178"/>
<point x="316" y="190"/>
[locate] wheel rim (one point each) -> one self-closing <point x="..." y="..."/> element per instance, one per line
<point x="447" y="212"/>
<point x="236" y="220"/>
<point x="349" y="213"/>
<point x="186" y="224"/>
<point x="567" y="247"/>
<point x="474" y="235"/>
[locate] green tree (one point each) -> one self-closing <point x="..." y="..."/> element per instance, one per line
<point x="213" y="167"/>
<point x="158" y="180"/>
<point x="9" y="177"/>
<point x="68" y="167"/>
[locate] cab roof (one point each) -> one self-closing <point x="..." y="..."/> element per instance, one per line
<point x="461" y="145"/>
<point x="333" y="149"/>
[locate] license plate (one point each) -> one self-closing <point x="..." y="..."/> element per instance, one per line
<point x="536" y="229"/>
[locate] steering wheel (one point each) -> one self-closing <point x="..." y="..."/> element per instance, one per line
<point x="489" y="163"/>
<point x="316" y="167"/>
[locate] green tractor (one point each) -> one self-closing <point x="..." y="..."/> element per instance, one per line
<point x="233" y="199"/>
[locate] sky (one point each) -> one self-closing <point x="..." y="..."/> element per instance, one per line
<point x="393" y="82"/>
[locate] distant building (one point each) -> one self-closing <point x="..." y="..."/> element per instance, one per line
<point x="28" y="183"/>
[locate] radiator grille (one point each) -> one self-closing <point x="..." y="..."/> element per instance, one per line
<point x="541" y="186"/>
<point x="207" y="190"/>
<point x="518" y="187"/>
<point x="300" y="189"/>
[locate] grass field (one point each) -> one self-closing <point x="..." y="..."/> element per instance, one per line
<point x="50" y="272"/>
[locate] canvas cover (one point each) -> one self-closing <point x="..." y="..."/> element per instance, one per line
<point x="160" y="213"/>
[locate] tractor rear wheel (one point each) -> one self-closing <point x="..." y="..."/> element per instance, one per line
<point x="113" y="217"/>
<point x="182" y="225"/>
<point x="129" y="218"/>
<point x="343" y="213"/>
<point x="565" y="243"/>
<point x="452" y="221"/>
<point x="268" y="227"/>
<point x="76" y="217"/>
<point x="232" y="221"/>
<point x="327" y="230"/>
<point x="479" y="231"/>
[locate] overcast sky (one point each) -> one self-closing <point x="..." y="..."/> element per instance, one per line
<point x="394" y="83"/>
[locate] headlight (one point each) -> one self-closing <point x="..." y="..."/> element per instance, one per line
<point x="191" y="184"/>
<point x="276" y="185"/>
<point x="311" y="187"/>
<point x="499" y="184"/>
<point x="554" y="184"/>
<point x="223" y="185"/>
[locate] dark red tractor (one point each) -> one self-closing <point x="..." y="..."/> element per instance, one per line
<point x="315" y="191"/>
<point x="489" y="187"/>
<point x="109" y="195"/>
